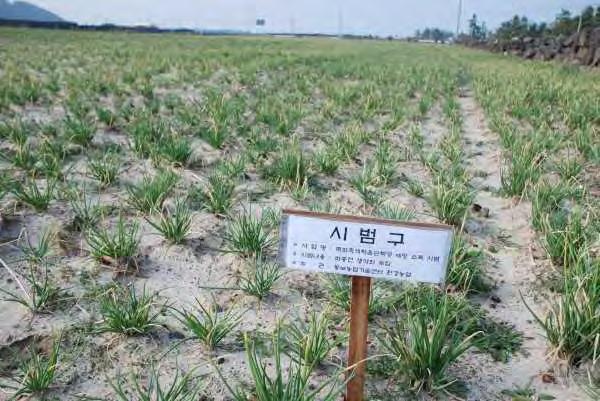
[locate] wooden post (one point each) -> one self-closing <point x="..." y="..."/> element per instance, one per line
<point x="357" y="351"/>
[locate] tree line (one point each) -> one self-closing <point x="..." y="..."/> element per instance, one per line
<point x="565" y="23"/>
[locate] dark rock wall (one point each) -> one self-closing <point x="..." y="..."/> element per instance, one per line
<point x="579" y="48"/>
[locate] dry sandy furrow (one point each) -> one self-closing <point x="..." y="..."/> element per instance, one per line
<point x="507" y="236"/>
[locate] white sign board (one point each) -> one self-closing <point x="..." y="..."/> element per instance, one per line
<point x="365" y="246"/>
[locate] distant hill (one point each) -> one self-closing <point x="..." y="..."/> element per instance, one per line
<point x="23" y="11"/>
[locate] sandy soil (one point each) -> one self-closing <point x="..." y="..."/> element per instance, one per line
<point x="508" y="239"/>
<point x="181" y="274"/>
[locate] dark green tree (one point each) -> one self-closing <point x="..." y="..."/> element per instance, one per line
<point x="517" y="27"/>
<point x="588" y="17"/>
<point x="565" y="24"/>
<point x="477" y="30"/>
<point x="435" y="34"/>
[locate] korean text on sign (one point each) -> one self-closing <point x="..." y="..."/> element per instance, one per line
<point x="368" y="247"/>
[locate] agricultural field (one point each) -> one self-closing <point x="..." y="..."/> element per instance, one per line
<point x="142" y="179"/>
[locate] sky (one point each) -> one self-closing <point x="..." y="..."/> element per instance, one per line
<point x="378" y="17"/>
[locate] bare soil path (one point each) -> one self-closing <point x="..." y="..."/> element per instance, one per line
<point x="508" y="240"/>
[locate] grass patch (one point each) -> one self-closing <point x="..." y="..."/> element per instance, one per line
<point x="37" y="253"/>
<point x="31" y="194"/>
<point x="23" y="157"/>
<point x="309" y="342"/>
<point x="124" y="311"/>
<point x="521" y="170"/>
<point x="572" y="324"/>
<point x="153" y="387"/>
<point x="426" y="341"/>
<point x="209" y="324"/>
<point x="175" y="224"/>
<point x="365" y="184"/>
<point x="526" y="393"/>
<point x="327" y="161"/>
<point x="105" y="169"/>
<point x="569" y="168"/>
<point x="79" y="130"/>
<point x="386" y="161"/>
<point x="86" y="213"/>
<point x="465" y="272"/>
<point x="149" y="195"/>
<point x="145" y="132"/>
<point x="414" y="187"/>
<point x="384" y="295"/>
<point x="38" y="293"/>
<point x="290" y="169"/>
<point x="120" y="245"/>
<point x="549" y="198"/>
<point x="565" y="237"/>
<point x="451" y="201"/>
<point x="175" y="149"/>
<point x="396" y="212"/>
<point x="260" y="278"/>
<point x="232" y="167"/>
<point x="247" y="235"/>
<point x="347" y="144"/>
<point x="38" y="373"/>
<point x="216" y="196"/>
<point x="274" y="381"/>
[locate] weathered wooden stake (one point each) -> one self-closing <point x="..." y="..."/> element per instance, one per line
<point x="357" y="351"/>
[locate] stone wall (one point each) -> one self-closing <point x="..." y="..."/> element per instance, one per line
<point x="579" y="48"/>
